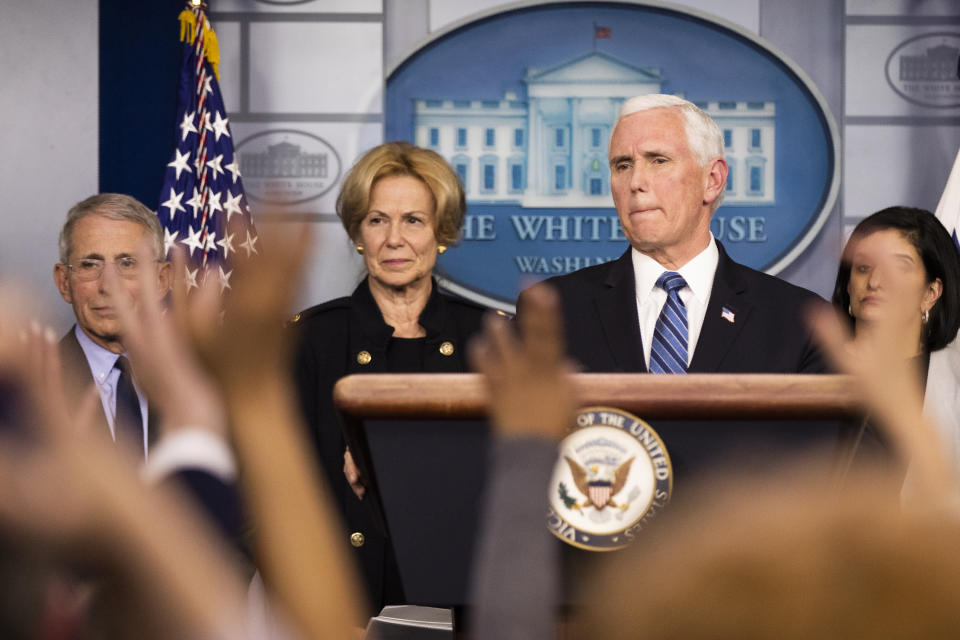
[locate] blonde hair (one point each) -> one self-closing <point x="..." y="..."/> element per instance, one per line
<point x="403" y="159"/>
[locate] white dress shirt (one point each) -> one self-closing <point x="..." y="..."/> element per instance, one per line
<point x="698" y="273"/>
<point x="102" y="363"/>
<point x="187" y="447"/>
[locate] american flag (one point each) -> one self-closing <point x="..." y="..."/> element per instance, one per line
<point x="202" y="203"/>
<point x="948" y="211"/>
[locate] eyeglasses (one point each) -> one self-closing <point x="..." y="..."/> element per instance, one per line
<point x="92" y="268"/>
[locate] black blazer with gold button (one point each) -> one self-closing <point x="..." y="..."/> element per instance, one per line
<point x="348" y="336"/>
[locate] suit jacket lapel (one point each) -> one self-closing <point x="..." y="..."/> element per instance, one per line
<point x="720" y="328"/>
<point x="617" y="308"/>
<point x="77" y="377"/>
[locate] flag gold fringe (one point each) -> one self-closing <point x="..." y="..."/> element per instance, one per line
<point x="211" y="47"/>
<point x="188" y="25"/>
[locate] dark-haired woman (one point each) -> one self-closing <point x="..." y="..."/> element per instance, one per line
<point x="900" y="273"/>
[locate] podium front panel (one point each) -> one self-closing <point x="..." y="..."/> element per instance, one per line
<point x="431" y="475"/>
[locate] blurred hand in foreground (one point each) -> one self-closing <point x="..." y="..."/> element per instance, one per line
<point x="66" y="491"/>
<point x="525" y="370"/>
<point x="890" y="389"/>
<point x="163" y="360"/>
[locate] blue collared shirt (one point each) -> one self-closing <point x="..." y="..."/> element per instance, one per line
<point x="102" y="363"/>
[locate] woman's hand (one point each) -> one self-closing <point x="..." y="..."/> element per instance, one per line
<point x="352" y="473"/>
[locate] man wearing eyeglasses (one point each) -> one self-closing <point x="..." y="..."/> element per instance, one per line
<point x="108" y="231"/>
<point x="111" y="231"/>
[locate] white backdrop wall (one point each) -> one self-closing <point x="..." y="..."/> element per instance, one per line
<point x="48" y="148"/>
<point x="318" y="67"/>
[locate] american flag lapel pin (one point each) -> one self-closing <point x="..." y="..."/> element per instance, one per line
<point x="727" y="315"/>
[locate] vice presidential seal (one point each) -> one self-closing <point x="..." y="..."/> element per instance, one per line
<point x="612" y="476"/>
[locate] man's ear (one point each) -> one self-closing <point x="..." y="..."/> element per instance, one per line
<point x="61" y="276"/>
<point x="164" y="275"/>
<point x="715" y="180"/>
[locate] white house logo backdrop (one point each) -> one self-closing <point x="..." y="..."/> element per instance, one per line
<point x="924" y="70"/>
<point x="287" y="166"/>
<point x="613" y="475"/>
<point x="521" y="104"/>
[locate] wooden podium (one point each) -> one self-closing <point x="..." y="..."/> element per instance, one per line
<point x="421" y="441"/>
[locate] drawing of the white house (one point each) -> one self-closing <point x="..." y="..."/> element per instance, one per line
<point x="551" y="150"/>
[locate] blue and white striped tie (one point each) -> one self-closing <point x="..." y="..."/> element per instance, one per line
<point x="668" y="353"/>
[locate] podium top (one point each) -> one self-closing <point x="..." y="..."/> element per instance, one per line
<point x="701" y="395"/>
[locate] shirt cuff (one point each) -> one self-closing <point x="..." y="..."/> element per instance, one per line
<point x="190" y="448"/>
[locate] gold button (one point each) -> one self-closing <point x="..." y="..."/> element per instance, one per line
<point x="357" y="539"/>
<point x="447" y="348"/>
<point x="364" y="357"/>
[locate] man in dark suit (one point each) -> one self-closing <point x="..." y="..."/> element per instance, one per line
<point x="675" y="302"/>
<point x="112" y="231"/>
<point x="107" y="231"/>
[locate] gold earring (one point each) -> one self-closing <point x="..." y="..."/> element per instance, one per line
<point x="925" y="316"/>
<point x="441" y="248"/>
<point x="360" y="249"/>
<point x="850" y="310"/>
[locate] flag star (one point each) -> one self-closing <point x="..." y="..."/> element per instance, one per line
<point x="211" y="242"/>
<point x="191" y="278"/>
<point x="169" y="239"/>
<point x="186" y="127"/>
<point x="233" y="168"/>
<point x="215" y="164"/>
<point x="232" y="205"/>
<point x="213" y="200"/>
<point x="227" y="244"/>
<point x="196" y="202"/>
<point x="220" y="126"/>
<point x="249" y="245"/>
<point x="198" y="164"/>
<point x="206" y="85"/>
<point x="205" y="119"/>
<point x="180" y="162"/>
<point x="224" y="279"/>
<point x="173" y="203"/>
<point x="193" y="240"/>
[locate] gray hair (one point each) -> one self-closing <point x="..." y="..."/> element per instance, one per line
<point x="115" y="206"/>
<point x="703" y="135"/>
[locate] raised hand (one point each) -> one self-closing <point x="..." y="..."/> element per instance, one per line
<point x="526" y="372"/>
<point x="889" y="386"/>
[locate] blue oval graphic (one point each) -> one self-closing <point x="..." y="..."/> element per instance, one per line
<point x="521" y="103"/>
